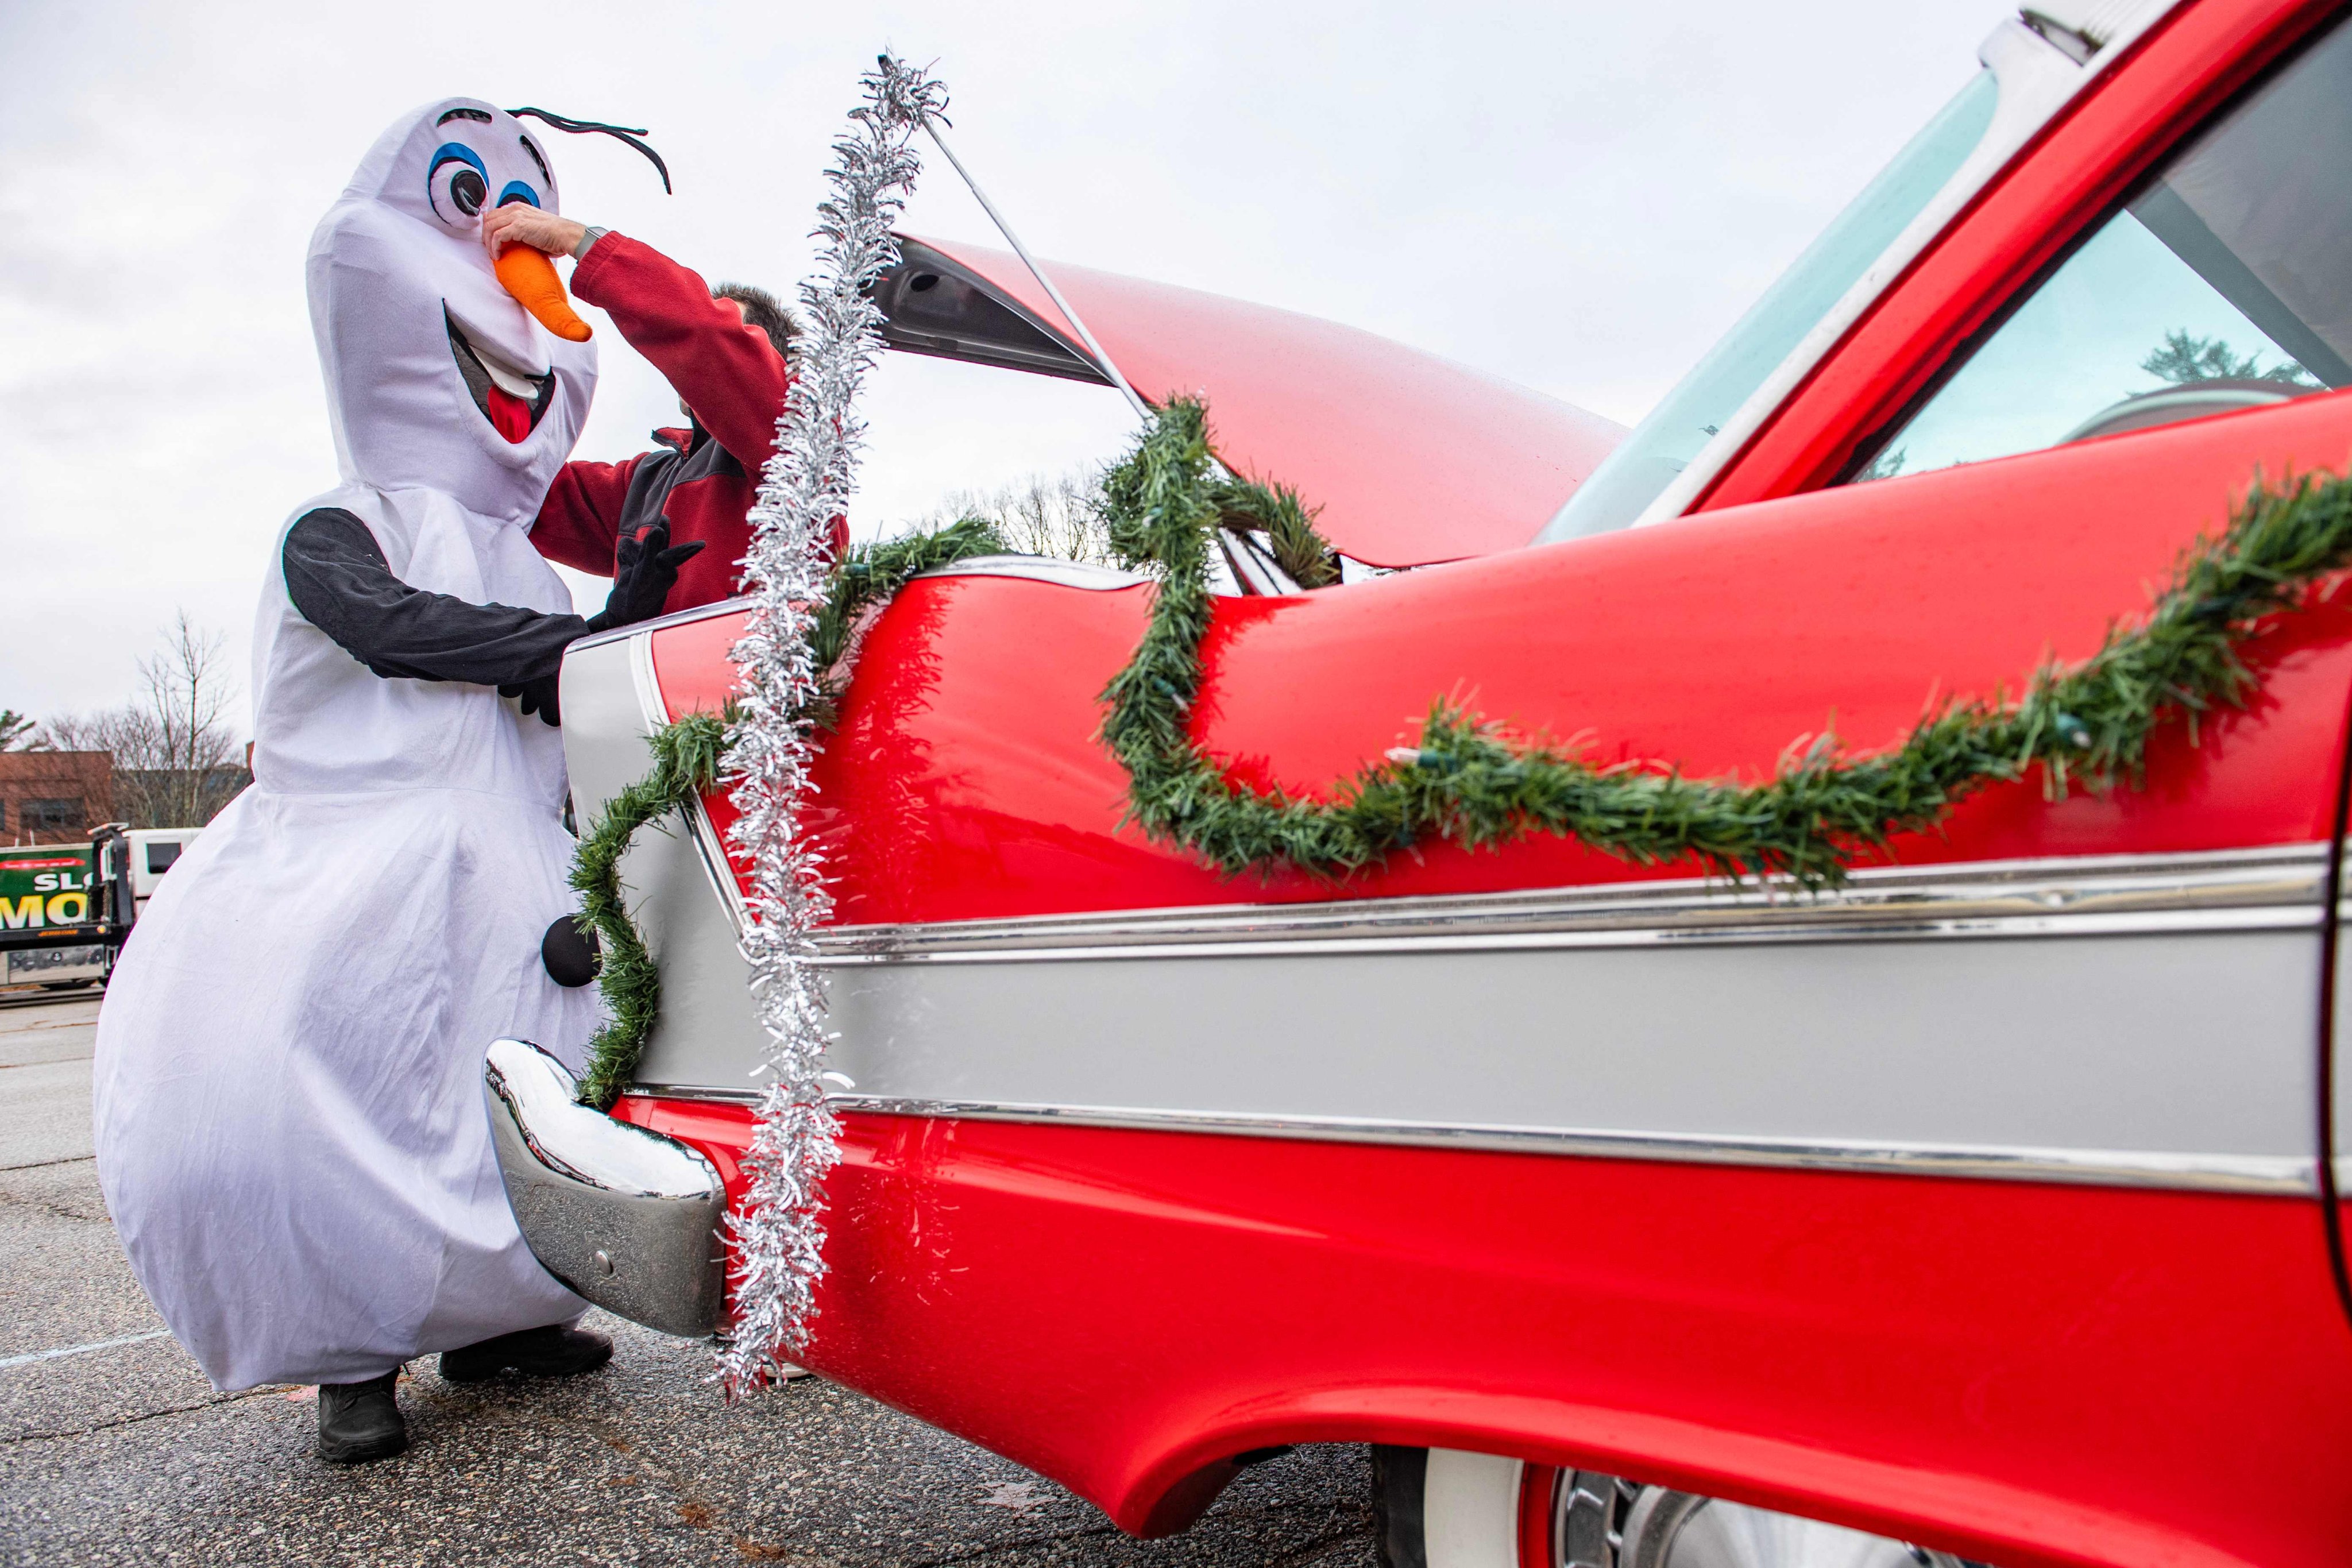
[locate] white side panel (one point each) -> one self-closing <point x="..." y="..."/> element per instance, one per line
<point x="2189" y="1046"/>
<point x="707" y="1033"/>
<point x="604" y="725"/>
<point x="2340" y="1108"/>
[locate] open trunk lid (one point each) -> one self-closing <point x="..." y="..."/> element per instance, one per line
<point x="1413" y="458"/>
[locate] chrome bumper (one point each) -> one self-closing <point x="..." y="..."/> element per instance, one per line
<point x="623" y="1217"/>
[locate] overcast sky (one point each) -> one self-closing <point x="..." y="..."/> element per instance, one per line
<point x="1577" y="194"/>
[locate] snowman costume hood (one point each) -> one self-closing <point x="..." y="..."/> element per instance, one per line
<point x="291" y="1130"/>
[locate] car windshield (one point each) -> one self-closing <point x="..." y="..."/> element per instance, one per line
<point x="1663" y="445"/>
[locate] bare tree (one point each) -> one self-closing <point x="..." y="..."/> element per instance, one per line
<point x="187" y="696"/>
<point x="176" y="759"/>
<point x="1060" y="516"/>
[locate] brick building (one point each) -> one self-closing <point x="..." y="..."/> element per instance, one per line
<point x="49" y="796"/>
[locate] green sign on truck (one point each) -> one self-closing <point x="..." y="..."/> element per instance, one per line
<point x="56" y="924"/>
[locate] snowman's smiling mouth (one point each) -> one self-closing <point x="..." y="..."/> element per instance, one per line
<point x="512" y="399"/>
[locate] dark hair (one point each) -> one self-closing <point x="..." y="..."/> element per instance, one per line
<point x="763" y="311"/>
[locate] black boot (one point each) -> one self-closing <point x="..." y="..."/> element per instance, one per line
<point x="558" y="1349"/>
<point x="360" y="1420"/>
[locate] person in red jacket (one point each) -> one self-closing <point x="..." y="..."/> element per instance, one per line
<point x="723" y="353"/>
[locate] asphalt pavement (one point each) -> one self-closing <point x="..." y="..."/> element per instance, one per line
<point x="114" y="1449"/>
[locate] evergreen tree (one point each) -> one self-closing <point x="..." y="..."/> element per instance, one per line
<point x="2184" y="359"/>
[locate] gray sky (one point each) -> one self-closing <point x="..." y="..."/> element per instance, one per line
<point x="1578" y="195"/>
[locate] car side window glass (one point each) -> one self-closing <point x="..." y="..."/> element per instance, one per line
<point x="2225" y="283"/>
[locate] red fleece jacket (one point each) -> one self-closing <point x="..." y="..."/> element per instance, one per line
<point x="732" y="378"/>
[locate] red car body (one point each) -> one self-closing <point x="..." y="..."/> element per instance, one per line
<point x="1392" y="1188"/>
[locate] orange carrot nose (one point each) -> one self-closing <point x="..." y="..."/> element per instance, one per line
<point x="530" y="277"/>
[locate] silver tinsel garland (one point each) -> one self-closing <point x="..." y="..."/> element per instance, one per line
<point x="779" y="1232"/>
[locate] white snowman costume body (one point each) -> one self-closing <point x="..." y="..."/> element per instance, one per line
<point x="290" y="1129"/>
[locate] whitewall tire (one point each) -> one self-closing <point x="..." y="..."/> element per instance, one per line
<point x="1441" y="1508"/>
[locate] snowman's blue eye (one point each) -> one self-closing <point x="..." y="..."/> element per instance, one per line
<point x="456" y="174"/>
<point x="517" y="191"/>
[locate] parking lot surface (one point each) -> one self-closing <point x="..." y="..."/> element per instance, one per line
<point x="114" y="1449"/>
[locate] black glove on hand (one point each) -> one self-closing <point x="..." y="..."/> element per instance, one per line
<point x="645" y="569"/>
<point x="537" y="697"/>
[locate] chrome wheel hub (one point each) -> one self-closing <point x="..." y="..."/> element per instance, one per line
<point x="1679" y="1529"/>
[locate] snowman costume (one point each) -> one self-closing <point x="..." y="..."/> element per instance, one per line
<point x="291" y="1130"/>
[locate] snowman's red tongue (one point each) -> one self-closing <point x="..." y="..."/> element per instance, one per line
<point x="510" y="415"/>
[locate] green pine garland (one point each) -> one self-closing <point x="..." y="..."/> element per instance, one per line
<point x="869" y="576"/>
<point x="686" y="758"/>
<point x="1467" y="783"/>
<point x="1216" y="501"/>
<point x="1275" y="509"/>
<point x="686" y="763"/>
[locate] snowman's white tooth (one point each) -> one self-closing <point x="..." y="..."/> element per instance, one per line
<point x="507" y="381"/>
<point x="504" y="373"/>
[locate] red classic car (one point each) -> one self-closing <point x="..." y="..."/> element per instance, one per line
<point x="1986" y="1208"/>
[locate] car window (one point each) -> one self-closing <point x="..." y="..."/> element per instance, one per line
<point x="1665" y="441"/>
<point x="2225" y="283"/>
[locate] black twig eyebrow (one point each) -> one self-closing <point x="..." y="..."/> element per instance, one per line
<point x="537" y="157"/>
<point x="463" y="113"/>
<point x="629" y="134"/>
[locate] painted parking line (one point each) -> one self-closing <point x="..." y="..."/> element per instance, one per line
<point x="8" y="1361"/>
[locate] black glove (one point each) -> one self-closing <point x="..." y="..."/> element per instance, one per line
<point x="645" y="569"/>
<point x="538" y="696"/>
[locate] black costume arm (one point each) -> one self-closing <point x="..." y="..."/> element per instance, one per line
<point x="339" y="579"/>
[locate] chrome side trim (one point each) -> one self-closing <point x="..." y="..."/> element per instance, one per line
<point x="1040" y="569"/>
<point x="2271" y="889"/>
<point x="715" y="867"/>
<point x="2279" y="1175"/>
<point x="655" y="706"/>
<point x="675" y="618"/>
<point x="624" y="1217"/>
<point x="646" y="683"/>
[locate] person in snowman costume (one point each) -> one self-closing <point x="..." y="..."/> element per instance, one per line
<point x="290" y="1131"/>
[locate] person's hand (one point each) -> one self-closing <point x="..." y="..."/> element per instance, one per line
<point x="537" y="697"/>
<point x="522" y="224"/>
<point x="645" y="569"/>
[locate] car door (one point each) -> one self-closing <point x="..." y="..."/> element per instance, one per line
<point x="2241" y="228"/>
